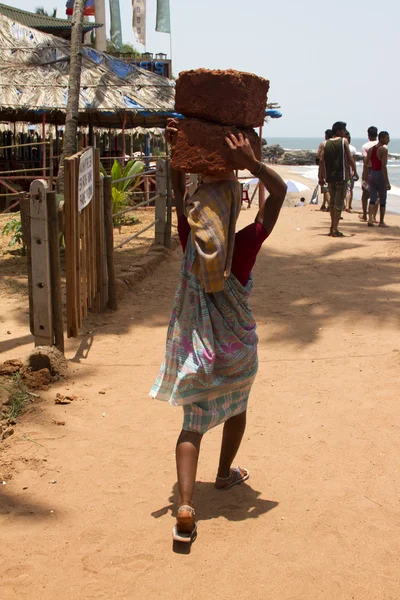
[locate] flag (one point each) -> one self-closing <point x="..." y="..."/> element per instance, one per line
<point x="139" y="20"/>
<point x="89" y="8"/>
<point x="163" y="22"/>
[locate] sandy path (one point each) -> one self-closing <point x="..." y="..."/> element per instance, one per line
<point x="320" y="517"/>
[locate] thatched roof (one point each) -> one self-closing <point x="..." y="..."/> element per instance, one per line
<point x="54" y="25"/>
<point x="34" y="69"/>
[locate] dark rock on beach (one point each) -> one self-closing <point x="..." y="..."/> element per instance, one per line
<point x="281" y="156"/>
<point x="298" y="157"/>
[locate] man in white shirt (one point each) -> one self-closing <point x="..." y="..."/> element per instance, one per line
<point x="350" y="176"/>
<point x="372" y="141"/>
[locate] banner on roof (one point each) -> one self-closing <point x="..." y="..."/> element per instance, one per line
<point x="139" y="21"/>
<point x="89" y="8"/>
<point x="163" y="22"/>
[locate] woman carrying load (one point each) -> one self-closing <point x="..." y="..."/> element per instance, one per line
<point x="211" y="352"/>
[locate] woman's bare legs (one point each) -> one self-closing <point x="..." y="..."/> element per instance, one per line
<point x="187" y="457"/>
<point x="234" y="429"/>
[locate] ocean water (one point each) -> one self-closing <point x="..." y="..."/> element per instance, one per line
<point x="311" y="172"/>
<point x="313" y="143"/>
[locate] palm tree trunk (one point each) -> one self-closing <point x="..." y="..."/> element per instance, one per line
<point x="74" y="85"/>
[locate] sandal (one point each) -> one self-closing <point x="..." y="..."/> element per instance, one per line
<point x="236" y="477"/>
<point x="185" y="529"/>
<point x="337" y="234"/>
<point x="362" y="218"/>
<point x="371" y="224"/>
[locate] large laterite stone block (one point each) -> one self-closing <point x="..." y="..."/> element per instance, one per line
<point x="201" y="147"/>
<point x="226" y="97"/>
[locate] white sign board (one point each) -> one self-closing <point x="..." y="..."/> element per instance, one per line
<point x="86" y="179"/>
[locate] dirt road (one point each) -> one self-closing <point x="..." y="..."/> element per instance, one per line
<point x="86" y="509"/>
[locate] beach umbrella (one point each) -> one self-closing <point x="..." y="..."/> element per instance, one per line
<point x="296" y="186"/>
<point x="314" y="197"/>
<point x="251" y="181"/>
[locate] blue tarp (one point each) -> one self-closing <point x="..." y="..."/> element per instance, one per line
<point x="273" y="113"/>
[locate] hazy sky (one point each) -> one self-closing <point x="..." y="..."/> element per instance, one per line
<point x="326" y="61"/>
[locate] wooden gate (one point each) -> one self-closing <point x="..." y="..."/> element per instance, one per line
<point x="89" y="248"/>
<point x="88" y="229"/>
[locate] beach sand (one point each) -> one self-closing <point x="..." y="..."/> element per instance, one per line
<point x="87" y="508"/>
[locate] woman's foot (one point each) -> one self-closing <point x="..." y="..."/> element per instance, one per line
<point x="337" y="234"/>
<point x="186" y="526"/>
<point x="383" y="224"/>
<point x="362" y="218"/>
<point x="236" y="477"/>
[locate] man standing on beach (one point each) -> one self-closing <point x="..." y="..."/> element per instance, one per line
<point x="372" y="141"/>
<point x="332" y="171"/>
<point x="375" y="168"/>
<point x="350" y="176"/>
<point x="324" y="189"/>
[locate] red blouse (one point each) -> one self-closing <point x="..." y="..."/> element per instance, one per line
<point x="248" y="242"/>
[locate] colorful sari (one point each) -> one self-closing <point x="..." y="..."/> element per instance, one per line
<point x="212" y="213"/>
<point x="211" y="353"/>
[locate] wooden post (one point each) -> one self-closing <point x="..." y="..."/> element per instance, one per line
<point x="57" y="145"/>
<point x="26" y="235"/>
<point x="84" y="253"/>
<point x="92" y="253"/>
<point x="108" y="220"/>
<point x="55" y="271"/>
<point x="68" y="245"/>
<point x="104" y="291"/>
<point x="77" y="245"/>
<point x="44" y="145"/>
<point x="161" y="202"/>
<point x="51" y="162"/>
<point x="123" y="139"/>
<point x="41" y="279"/>
<point x="71" y="233"/>
<point x="15" y="144"/>
<point x="99" y="238"/>
<point x="91" y="136"/>
<point x="92" y="233"/>
<point x="254" y="193"/>
<point x="146" y="188"/>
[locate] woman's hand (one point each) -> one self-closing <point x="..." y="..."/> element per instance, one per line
<point x="242" y="152"/>
<point x="172" y="131"/>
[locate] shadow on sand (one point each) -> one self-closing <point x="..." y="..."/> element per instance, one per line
<point x="237" y="504"/>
